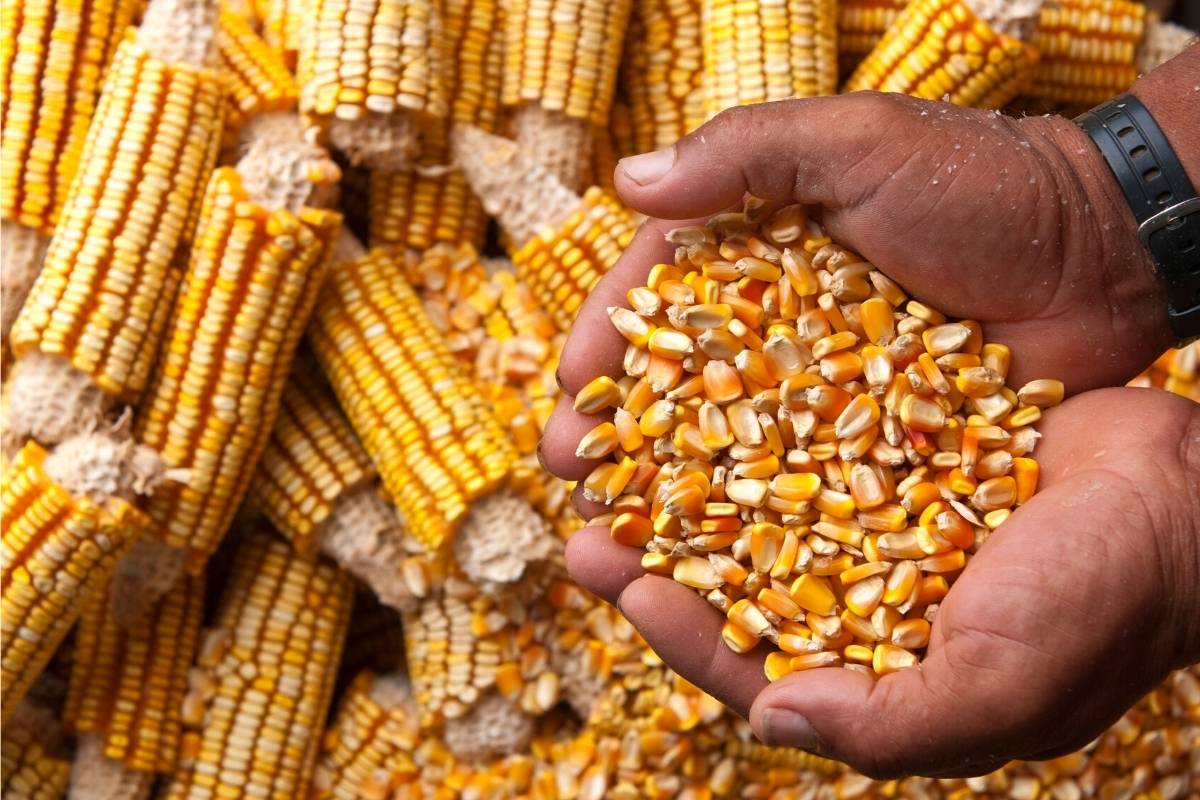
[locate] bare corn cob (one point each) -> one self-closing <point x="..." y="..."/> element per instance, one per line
<point x="264" y="678"/>
<point x="65" y="525"/>
<point x="52" y="57"/>
<point x="94" y="776"/>
<point x="91" y="325"/>
<point x="861" y="24"/>
<point x="789" y="429"/>
<point x="31" y="766"/>
<point x="250" y="285"/>
<point x="562" y="243"/>
<point x="430" y="202"/>
<point x="437" y="446"/>
<point x="661" y="73"/>
<point x="370" y="74"/>
<point x="127" y="685"/>
<point x="755" y="52"/>
<point x="372" y="737"/>
<point x="945" y="49"/>
<point x="560" y="70"/>
<point x="256" y="78"/>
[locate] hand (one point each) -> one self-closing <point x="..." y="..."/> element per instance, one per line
<point x="987" y="639"/>
<point x="1082" y="602"/>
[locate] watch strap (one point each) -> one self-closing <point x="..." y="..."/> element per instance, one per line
<point x="1161" y="197"/>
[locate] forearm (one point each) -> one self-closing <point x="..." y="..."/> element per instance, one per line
<point x="1172" y="93"/>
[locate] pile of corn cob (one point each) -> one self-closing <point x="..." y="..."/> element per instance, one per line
<point x="273" y="520"/>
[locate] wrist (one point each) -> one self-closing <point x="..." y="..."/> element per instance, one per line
<point x="1116" y="260"/>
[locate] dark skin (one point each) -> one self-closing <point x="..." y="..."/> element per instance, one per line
<point x="1090" y="594"/>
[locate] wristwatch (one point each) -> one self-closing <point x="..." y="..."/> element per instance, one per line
<point x="1162" y="199"/>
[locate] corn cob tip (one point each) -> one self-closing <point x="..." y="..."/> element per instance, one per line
<point x="143" y="576"/>
<point x="365" y="537"/>
<point x="378" y="141"/>
<point x="514" y="187"/>
<point x="21" y="252"/>
<point x="1163" y="41"/>
<point x="180" y="32"/>
<point x="280" y="168"/>
<point x="51" y="402"/>
<point x="493" y="728"/>
<point x="1016" y="18"/>
<point x="505" y="547"/>
<point x="103" y="464"/>
<point x="561" y="143"/>
<point x="95" y="776"/>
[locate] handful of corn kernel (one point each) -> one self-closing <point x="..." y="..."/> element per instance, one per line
<point x="795" y="439"/>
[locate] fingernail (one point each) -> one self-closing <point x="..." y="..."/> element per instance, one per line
<point x="782" y="726"/>
<point x="648" y="167"/>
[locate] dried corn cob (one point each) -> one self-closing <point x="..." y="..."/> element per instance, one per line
<point x="250" y="285"/>
<point x="755" y="52"/>
<point x="795" y="455"/>
<point x="64" y="528"/>
<point x="316" y="485"/>
<point x="662" y="71"/>
<point x="369" y="75"/>
<point x="438" y="447"/>
<point x="52" y="58"/>
<point x="256" y="78"/>
<point x="562" y="243"/>
<point x="947" y="49"/>
<point x="31" y="767"/>
<point x="127" y="685"/>
<point x="1087" y="49"/>
<point x="282" y="24"/>
<point x="22" y="250"/>
<point x="264" y="677"/>
<point x="431" y="202"/>
<point x="372" y="738"/>
<point x="861" y="24"/>
<point x="560" y="71"/>
<point x="93" y="317"/>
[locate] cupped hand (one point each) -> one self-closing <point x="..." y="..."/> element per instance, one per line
<point x="1080" y="603"/>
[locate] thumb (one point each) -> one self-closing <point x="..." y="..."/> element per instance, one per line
<point x="934" y="720"/>
<point x="784" y="152"/>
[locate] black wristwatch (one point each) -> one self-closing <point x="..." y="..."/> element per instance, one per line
<point x="1162" y="199"/>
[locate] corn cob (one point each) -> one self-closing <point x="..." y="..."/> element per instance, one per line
<point x="316" y="485"/>
<point x="94" y="776"/>
<point x="256" y="78"/>
<point x="62" y="535"/>
<point x="560" y="72"/>
<point x="93" y="317"/>
<point x="264" y="678"/>
<point x="661" y="75"/>
<point x="861" y="24"/>
<point x="946" y="49"/>
<point x="562" y="243"/>
<point x="372" y="737"/>
<point x="437" y="446"/>
<point x="22" y="250"/>
<point x="283" y="27"/>
<point x="250" y="285"/>
<point x="755" y="52"/>
<point x="52" y="58"/>
<point x="902" y="454"/>
<point x="369" y="75"/>
<point x="127" y="686"/>
<point x="419" y="206"/>
<point x="31" y="767"/>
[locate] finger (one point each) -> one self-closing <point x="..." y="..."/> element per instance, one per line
<point x="685" y="631"/>
<point x="600" y="565"/>
<point x="564" y="430"/>
<point x="786" y="151"/>
<point x="594" y="347"/>
<point x="587" y="509"/>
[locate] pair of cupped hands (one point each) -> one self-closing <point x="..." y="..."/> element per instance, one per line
<point x="1089" y="595"/>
